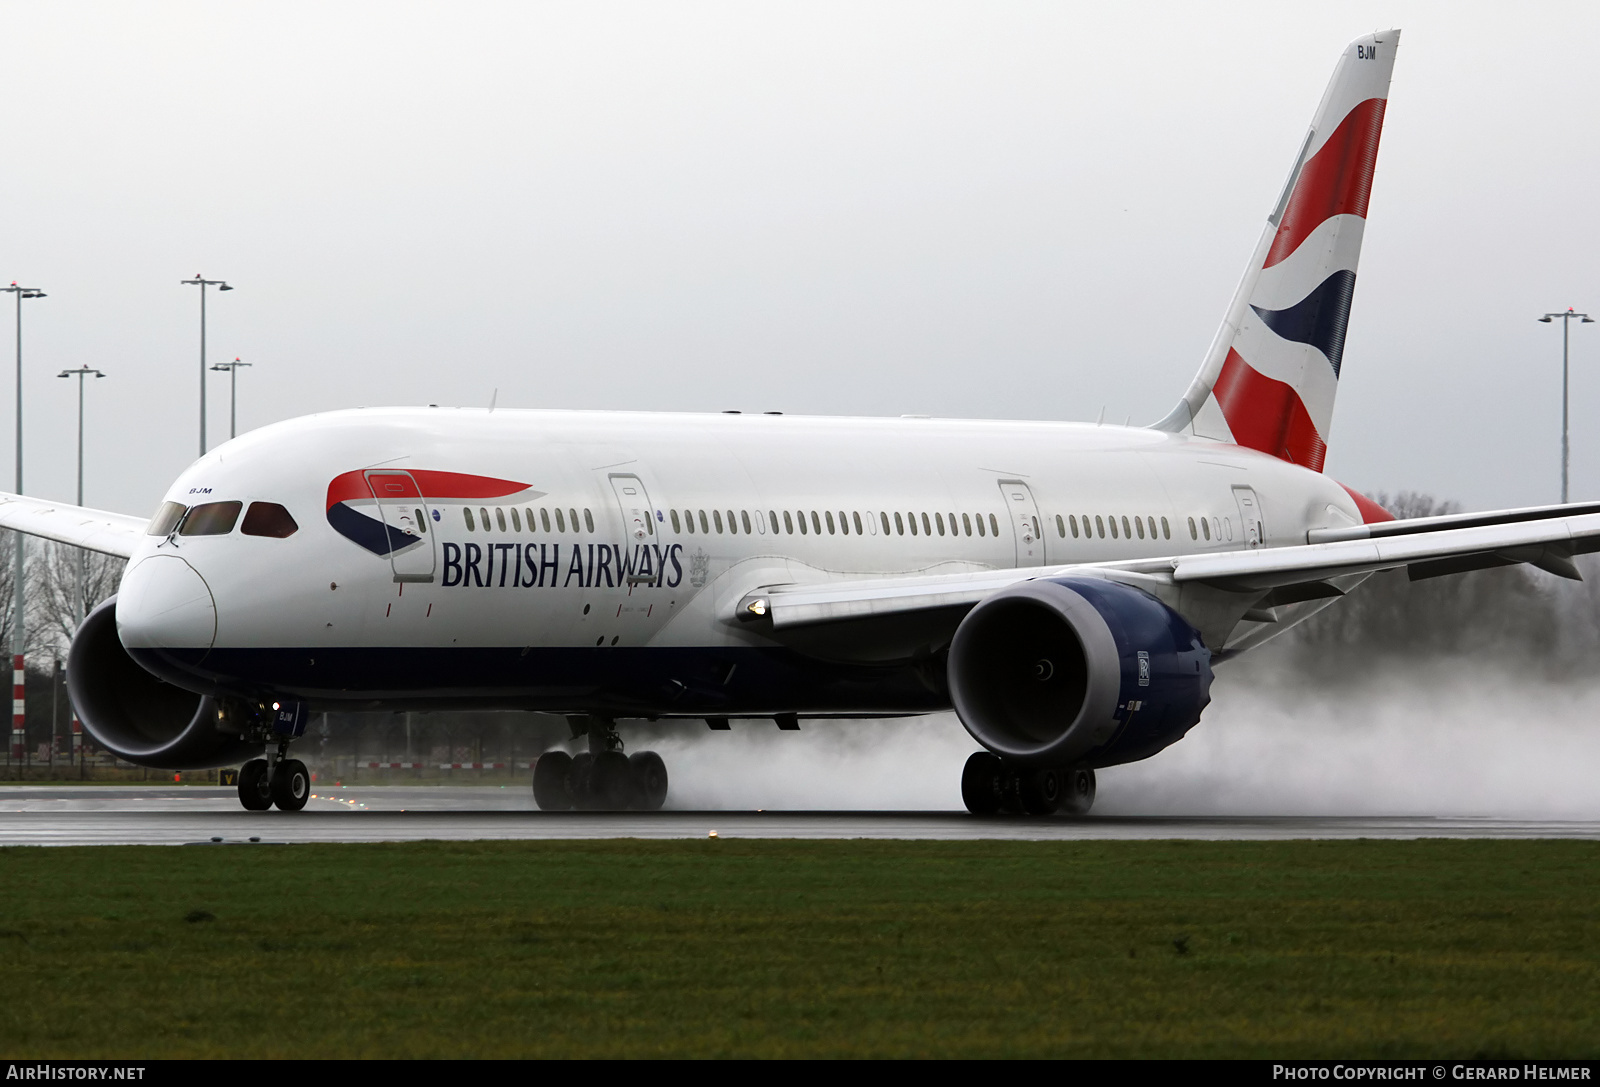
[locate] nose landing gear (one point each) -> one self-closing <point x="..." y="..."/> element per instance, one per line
<point x="991" y="785"/>
<point x="602" y="778"/>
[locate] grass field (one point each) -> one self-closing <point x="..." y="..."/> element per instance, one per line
<point x="785" y="948"/>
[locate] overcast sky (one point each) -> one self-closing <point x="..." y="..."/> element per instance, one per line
<point x="1016" y="210"/>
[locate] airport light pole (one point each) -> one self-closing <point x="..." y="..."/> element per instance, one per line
<point x="1566" y="324"/>
<point x="82" y="603"/>
<point x="19" y="676"/>
<point x="232" y="369"/>
<point x="202" y="282"/>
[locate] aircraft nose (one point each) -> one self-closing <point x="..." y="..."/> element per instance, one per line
<point x="164" y="603"/>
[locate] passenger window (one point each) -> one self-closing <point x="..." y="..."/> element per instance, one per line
<point x="816" y="523"/>
<point x="966" y="523"/>
<point x="927" y="529"/>
<point x="994" y="526"/>
<point x="913" y="519"/>
<point x="772" y="515"/>
<point x="1072" y="519"/>
<point x="466" y="511"/>
<point x="855" y="518"/>
<point x="271" y="519"/>
<point x="829" y="518"/>
<point x="1193" y="533"/>
<point x="1205" y="527"/>
<point x="211" y="519"/>
<point x="676" y="526"/>
<point x="483" y="515"/>
<point x="938" y="520"/>
<point x="572" y="515"/>
<point x="788" y="523"/>
<point x="1166" y="530"/>
<point x="588" y="520"/>
<point x="899" y="525"/>
<point x="716" y="517"/>
<point x="1100" y="526"/>
<point x="561" y="521"/>
<point x="544" y="517"/>
<point x="516" y="520"/>
<point x="744" y="518"/>
<point x="733" y="525"/>
<point x="705" y="525"/>
<point x="1113" y="521"/>
<point x="980" y="524"/>
<point x="422" y="521"/>
<point x="500" y="518"/>
<point x="168" y="514"/>
<point x="884" y="517"/>
<point x="1127" y="531"/>
<point x="844" y="523"/>
<point x="1061" y="526"/>
<point x="800" y="515"/>
<point x="1138" y="524"/>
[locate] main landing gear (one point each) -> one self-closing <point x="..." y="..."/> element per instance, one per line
<point x="282" y="781"/>
<point x="601" y="778"/>
<point x="991" y="785"/>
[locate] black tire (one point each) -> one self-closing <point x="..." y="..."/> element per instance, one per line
<point x="650" y="777"/>
<point x="552" y="789"/>
<point x="578" y="775"/>
<point x="983" y="783"/>
<point x="1079" y="794"/>
<point x="1042" y="790"/>
<point x="253" y="791"/>
<point x="291" y="785"/>
<point x="611" y="784"/>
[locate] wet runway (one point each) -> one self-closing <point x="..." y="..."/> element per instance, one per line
<point x="182" y="815"/>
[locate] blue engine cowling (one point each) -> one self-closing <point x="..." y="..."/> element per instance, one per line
<point x="1077" y="671"/>
<point x="136" y="716"/>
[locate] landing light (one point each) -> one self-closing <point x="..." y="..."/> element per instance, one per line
<point x="757" y="607"/>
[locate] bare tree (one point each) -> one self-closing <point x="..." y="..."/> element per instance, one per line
<point x="65" y="584"/>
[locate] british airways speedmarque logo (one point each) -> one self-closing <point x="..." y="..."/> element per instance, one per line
<point x="385" y="509"/>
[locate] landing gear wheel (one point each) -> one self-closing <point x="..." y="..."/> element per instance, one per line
<point x="291" y="785"/>
<point x="1042" y="790"/>
<point x="253" y="791"/>
<point x="611" y="783"/>
<point x="578" y="776"/>
<point x="1079" y="795"/>
<point x="552" y="781"/>
<point x="983" y="783"/>
<point x="650" y="780"/>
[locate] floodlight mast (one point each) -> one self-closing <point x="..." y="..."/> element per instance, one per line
<point x="232" y="369"/>
<point x="19" y="676"/>
<point x="202" y="282"/>
<point x="81" y="608"/>
<point x="1566" y="324"/>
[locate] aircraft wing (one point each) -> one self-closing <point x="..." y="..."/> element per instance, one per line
<point x="96" y="530"/>
<point x="1546" y="537"/>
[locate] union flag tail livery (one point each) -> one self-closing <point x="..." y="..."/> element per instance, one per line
<point x="1270" y="377"/>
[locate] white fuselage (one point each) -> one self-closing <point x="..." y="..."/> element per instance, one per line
<point x="665" y="522"/>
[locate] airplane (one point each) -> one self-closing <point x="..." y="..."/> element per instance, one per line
<point x="1066" y="588"/>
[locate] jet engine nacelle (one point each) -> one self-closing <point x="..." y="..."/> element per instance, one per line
<point x="1077" y="672"/>
<point x="134" y="715"/>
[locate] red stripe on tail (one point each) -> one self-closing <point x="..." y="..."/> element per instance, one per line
<point x="1268" y="415"/>
<point x="1337" y="180"/>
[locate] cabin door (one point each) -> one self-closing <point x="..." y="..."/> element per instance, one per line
<point x="404" y="513"/>
<point x="1255" y="532"/>
<point x="1024" y="514"/>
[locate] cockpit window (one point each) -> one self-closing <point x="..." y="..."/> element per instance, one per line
<point x="268" y="519"/>
<point x="166" y="518"/>
<point x="211" y="519"/>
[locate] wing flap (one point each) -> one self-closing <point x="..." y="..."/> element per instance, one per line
<point x="95" y="530"/>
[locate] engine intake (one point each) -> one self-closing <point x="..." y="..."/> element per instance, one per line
<point x="1077" y="672"/>
<point x="134" y="715"/>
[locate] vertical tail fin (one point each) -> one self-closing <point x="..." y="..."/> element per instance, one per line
<point x="1269" y="380"/>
